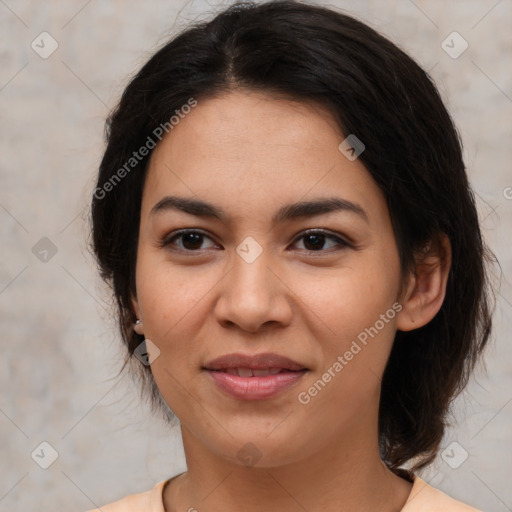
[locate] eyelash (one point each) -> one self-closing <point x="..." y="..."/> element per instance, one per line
<point x="168" y="240"/>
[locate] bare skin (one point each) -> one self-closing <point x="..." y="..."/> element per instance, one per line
<point x="250" y="154"/>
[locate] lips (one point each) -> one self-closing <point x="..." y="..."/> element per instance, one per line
<point x="256" y="377"/>
<point x="254" y="362"/>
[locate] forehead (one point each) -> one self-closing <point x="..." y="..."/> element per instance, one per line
<point x="253" y="151"/>
<point x="241" y="122"/>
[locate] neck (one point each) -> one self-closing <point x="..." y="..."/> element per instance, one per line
<point x="347" y="474"/>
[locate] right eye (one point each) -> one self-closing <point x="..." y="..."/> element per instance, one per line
<point x="189" y="240"/>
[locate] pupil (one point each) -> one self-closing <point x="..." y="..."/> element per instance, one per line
<point x="193" y="239"/>
<point x="318" y="241"/>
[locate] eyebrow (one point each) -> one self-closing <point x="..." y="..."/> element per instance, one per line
<point x="288" y="212"/>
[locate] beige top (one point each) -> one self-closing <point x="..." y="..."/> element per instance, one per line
<point x="423" y="498"/>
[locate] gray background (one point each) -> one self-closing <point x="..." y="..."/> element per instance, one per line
<point x="60" y="350"/>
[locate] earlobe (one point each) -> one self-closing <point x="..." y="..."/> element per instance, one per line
<point x="138" y="327"/>
<point x="426" y="288"/>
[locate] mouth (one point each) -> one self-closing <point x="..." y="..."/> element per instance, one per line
<point x="256" y="377"/>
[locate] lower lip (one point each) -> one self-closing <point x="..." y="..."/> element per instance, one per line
<point x="255" y="388"/>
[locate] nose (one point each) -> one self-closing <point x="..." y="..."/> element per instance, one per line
<point x="254" y="295"/>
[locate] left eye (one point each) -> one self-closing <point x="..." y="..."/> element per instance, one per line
<point x="314" y="240"/>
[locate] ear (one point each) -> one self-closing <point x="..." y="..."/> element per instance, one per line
<point x="426" y="287"/>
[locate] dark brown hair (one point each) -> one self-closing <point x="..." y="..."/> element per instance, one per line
<point x="413" y="152"/>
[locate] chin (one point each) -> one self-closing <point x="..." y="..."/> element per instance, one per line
<point x="259" y="449"/>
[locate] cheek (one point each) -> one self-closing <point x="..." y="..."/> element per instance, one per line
<point x="170" y="297"/>
<point x="168" y="293"/>
<point x="355" y="306"/>
<point x="352" y="298"/>
<point x="353" y="358"/>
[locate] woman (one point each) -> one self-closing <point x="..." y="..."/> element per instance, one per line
<point x="283" y="213"/>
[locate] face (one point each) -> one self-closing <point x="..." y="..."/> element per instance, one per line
<point x="316" y="285"/>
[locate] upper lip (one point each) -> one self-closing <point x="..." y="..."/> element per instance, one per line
<point x="254" y="362"/>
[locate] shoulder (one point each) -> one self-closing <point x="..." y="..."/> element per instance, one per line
<point x="424" y="498"/>
<point x="140" y="502"/>
<point x="147" y="501"/>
